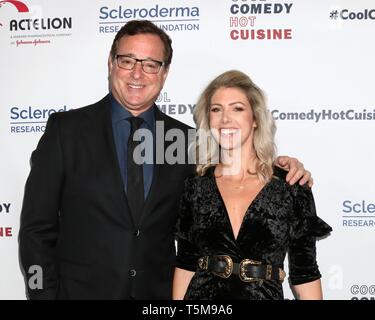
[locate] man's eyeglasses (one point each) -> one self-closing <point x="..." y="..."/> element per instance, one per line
<point x="148" y="65"/>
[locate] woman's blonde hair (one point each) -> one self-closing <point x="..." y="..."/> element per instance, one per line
<point x="264" y="132"/>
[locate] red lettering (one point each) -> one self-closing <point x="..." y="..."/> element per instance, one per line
<point x="5" y="231"/>
<point x="234" y="34"/>
<point x="261" y="34"/>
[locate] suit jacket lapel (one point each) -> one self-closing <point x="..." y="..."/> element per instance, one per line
<point x="159" y="168"/>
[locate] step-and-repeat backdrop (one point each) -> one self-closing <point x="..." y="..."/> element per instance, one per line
<point x="313" y="58"/>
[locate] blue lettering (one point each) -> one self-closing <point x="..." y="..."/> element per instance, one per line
<point x="103" y="11"/>
<point x="22" y="114"/>
<point x="127" y="13"/>
<point x="14" y="113"/>
<point x="154" y="12"/>
<point x="346" y="204"/>
<point x="109" y="29"/>
<point x="37" y="114"/>
<point x="30" y="113"/>
<point x="163" y="12"/>
<point x="143" y="13"/>
<point x="114" y="14"/>
<point x="357" y="205"/>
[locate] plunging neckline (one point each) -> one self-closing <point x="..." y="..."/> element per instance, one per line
<point x="226" y="213"/>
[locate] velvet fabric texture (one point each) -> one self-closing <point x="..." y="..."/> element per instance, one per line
<point x="281" y="219"/>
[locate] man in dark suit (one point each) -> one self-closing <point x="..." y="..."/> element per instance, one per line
<point x="95" y="224"/>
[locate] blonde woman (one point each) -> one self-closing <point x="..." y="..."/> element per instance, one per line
<point x="238" y="216"/>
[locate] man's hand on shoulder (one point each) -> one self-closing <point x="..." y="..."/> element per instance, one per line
<point x="295" y="170"/>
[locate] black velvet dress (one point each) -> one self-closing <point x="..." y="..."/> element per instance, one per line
<point x="281" y="219"/>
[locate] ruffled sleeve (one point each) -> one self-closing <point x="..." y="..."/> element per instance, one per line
<point x="187" y="251"/>
<point x="306" y="226"/>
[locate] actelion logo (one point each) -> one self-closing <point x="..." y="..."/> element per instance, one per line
<point x="28" y="26"/>
<point x="20" y="6"/>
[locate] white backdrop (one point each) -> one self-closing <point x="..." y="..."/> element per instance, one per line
<point x="318" y="73"/>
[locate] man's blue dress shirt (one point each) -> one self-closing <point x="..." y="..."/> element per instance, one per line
<point x="121" y="133"/>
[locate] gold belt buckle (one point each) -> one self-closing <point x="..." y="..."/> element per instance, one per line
<point x="243" y="265"/>
<point x="203" y="263"/>
<point x="228" y="268"/>
<point x="282" y="274"/>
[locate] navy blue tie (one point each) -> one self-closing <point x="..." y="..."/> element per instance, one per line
<point x="135" y="189"/>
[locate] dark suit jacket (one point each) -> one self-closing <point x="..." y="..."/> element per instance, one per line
<point x="75" y="220"/>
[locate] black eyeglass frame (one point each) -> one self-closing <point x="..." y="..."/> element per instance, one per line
<point x="161" y="63"/>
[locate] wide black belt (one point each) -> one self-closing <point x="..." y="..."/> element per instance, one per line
<point x="248" y="270"/>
